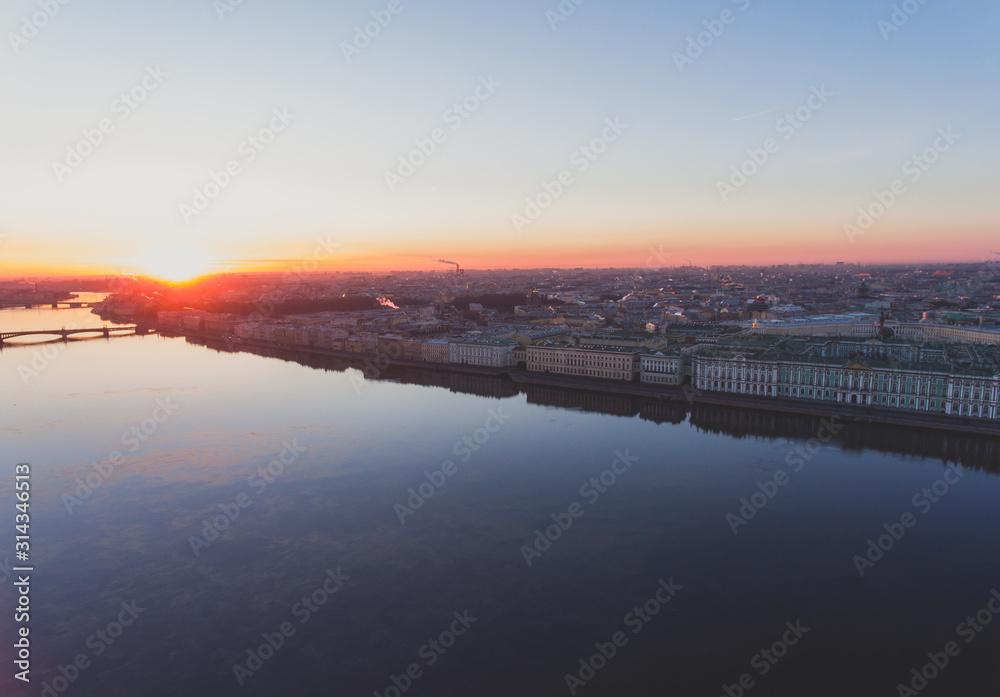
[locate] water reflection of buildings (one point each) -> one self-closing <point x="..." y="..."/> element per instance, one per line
<point x="483" y="385"/>
<point x="663" y="412"/>
<point x="578" y="399"/>
<point x="973" y="451"/>
<point x="745" y="423"/>
<point x="657" y="412"/>
<point x="979" y="452"/>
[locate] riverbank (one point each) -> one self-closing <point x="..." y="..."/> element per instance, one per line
<point x="687" y="394"/>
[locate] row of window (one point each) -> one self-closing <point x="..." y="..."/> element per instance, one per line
<point x="574" y="370"/>
<point x="661" y="367"/>
<point x="479" y="350"/>
<point x="661" y="378"/>
<point x="908" y="385"/>
<point x="594" y="361"/>
<point x="900" y="402"/>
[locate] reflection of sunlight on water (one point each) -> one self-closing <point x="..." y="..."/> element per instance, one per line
<point x="218" y="458"/>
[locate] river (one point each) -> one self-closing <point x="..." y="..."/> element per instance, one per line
<point x="204" y="522"/>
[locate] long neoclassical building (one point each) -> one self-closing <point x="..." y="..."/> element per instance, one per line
<point x="959" y="379"/>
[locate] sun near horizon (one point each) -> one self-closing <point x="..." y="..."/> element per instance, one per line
<point x="175" y="264"/>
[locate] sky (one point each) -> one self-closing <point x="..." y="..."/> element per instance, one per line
<point x="384" y="134"/>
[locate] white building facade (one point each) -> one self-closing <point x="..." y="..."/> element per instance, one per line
<point x="659" y="369"/>
<point x="609" y="363"/>
<point x="933" y="388"/>
<point x="494" y="353"/>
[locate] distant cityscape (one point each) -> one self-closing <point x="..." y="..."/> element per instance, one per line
<point x="917" y="339"/>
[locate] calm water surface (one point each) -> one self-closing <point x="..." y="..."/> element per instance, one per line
<point x="196" y="430"/>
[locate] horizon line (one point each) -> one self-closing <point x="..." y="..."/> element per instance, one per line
<point x="14" y="277"/>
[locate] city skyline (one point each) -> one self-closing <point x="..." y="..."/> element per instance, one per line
<point x="184" y="272"/>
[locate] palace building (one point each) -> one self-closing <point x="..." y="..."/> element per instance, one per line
<point x="959" y="379"/>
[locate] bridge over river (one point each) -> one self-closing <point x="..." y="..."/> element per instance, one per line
<point x="57" y="305"/>
<point x="65" y="334"/>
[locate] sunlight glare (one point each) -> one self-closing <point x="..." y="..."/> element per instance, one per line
<point x="176" y="264"/>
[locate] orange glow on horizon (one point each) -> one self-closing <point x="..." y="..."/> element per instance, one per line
<point x="647" y="248"/>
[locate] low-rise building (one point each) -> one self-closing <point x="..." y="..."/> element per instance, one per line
<point x="662" y="368"/>
<point x="220" y="324"/>
<point x="496" y="353"/>
<point x="171" y="320"/>
<point x="435" y="351"/>
<point x="411" y="350"/>
<point x="600" y="362"/>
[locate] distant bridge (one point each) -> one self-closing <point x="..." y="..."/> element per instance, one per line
<point x="107" y="332"/>
<point x="59" y="304"/>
